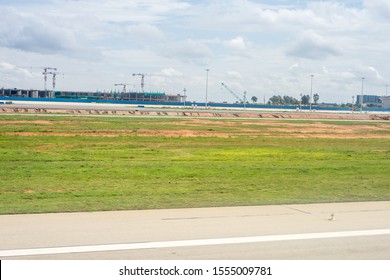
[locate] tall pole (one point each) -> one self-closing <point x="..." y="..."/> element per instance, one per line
<point x="45" y="78"/>
<point x="311" y="90"/>
<point x="361" y="96"/>
<point x="387" y="86"/>
<point x="207" y="85"/>
<point x="185" y="96"/>
<point x="54" y="81"/>
<point x="300" y="102"/>
<point x="244" y="100"/>
<point x="142" y="82"/>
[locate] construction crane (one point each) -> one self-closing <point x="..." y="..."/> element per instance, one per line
<point x="234" y="94"/>
<point x="123" y="95"/>
<point x="124" y="86"/>
<point x="142" y="79"/>
<point x="54" y="78"/>
<point x="47" y="72"/>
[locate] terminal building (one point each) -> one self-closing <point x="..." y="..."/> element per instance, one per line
<point x="126" y="96"/>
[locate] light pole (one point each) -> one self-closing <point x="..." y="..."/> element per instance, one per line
<point x="244" y="100"/>
<point x="185" y="96"/>
<point x="300" y="102"/>
<point x="311" y="90"/>
<point x="207" y="85"/>
<point x="361" y="96"/>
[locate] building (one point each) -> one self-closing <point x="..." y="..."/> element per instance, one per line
<point x="22" y="92"/>
<point x="385" y="101"/>
<point x="126" y="96"/>
<point x="369" y="100"/>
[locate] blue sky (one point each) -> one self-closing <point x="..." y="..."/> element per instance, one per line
<point x="261" y="47"/>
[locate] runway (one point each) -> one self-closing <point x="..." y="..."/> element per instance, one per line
<point x="310" y="231"/>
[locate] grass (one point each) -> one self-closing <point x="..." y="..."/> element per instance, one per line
<point x="61" y="164"/>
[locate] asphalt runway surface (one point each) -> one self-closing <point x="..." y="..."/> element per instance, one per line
<point x="333" y="231"/>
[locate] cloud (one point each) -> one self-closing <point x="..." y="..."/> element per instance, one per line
<point x="171" y="72"/>
<point x="33" y="34"/>
<point x="141" y="34"/>
<point x="134" y="11"/>
<point x="234" y="75"/>
<point x="379" y="8"/>
<point x="312" y="46"/>
<point x="6" y="66"/>
<point x="370" y="73"/>
<point x="188" y="51"/>
<point x="376" y="73"/>
<point x="293" y="67"/>
<point x="237" y="43"/>
<point x="12" y="75"/>
<point x="9" y="68"/>
<point x="252" y="16"/>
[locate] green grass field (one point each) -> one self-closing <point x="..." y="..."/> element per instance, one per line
<point x="61" y="164"/>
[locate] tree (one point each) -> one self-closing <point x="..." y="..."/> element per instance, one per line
<point x="285" y="100"/>
<point x="316" y="97"/>
<point x="254" y="99"/>
<point x="276" y="100"/>
<point x="305" y="99"/>
<point x="288" y="100"/>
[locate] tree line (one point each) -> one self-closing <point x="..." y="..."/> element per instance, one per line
<point x="288" y="100"/>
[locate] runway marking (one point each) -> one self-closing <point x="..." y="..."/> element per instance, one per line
<point x="188" y="243"/>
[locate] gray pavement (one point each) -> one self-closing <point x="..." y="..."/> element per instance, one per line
<point x="85" y="235"/>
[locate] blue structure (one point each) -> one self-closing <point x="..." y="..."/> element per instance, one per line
<point x="188" y="104"/>
<point x="368" y="99"/>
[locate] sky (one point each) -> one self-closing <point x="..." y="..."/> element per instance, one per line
<point x="262" y="47"/>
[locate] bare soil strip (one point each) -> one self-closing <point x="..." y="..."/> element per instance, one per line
<point x="219" y="114"/>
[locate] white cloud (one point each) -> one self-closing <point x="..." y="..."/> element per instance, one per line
<point x="237" y="43"/>
<point x="379" y="8"/>
<point x="376" y="73"/>
<point x="143" y="32"/>
<point x="188" y="51"/>
<point x="9" y="68"/>
<point x="171" y="72"/>
<point x="313" y="46"/>
<point x="370" y="73"/>
<point x="30" y="34"/>
<point x="6" y="66"/>
<point x="294" y="66"/>
<point x="234" y="74"/>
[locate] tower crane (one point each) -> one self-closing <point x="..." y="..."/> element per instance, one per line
<point x="142" y="79"/>
<point x="123" y="95"/>
<point x="124" y="86"/>
<point x="54" y="78"/>
<point x="234" y="94"/>
<point x="46" y="71"/>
